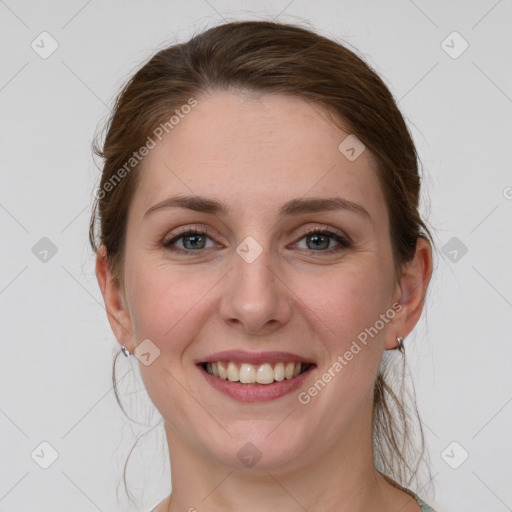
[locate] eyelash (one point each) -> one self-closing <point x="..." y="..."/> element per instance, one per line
<point x="344" y="243"/>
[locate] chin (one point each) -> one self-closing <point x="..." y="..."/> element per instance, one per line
<point x="258" y="450"/>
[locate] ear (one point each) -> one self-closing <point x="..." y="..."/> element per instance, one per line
<point x="115" y="303"/>
<point x="410" y="293"/>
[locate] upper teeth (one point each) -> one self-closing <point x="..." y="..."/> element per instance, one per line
<point x="249" y="373"/>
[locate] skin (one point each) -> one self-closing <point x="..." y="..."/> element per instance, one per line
<point x="254" y="153"/>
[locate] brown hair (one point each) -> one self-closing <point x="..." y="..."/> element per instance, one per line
<point x="265" y="56"/>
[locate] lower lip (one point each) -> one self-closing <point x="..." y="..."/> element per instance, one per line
<point x="255" y="392"/>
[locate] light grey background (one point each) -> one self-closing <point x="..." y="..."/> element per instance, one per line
<point x="56" y="342"/>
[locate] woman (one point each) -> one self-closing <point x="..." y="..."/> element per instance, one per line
<point x="260" y="249"/>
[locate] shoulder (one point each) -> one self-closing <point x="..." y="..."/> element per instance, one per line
<point x="161" y="506"/>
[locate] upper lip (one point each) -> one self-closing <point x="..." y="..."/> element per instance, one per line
<point x="241" y="356"/>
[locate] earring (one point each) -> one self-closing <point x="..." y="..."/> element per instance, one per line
<point x="400" y="345"/>
<point x="126" y="352"/>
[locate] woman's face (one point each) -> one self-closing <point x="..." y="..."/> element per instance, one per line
<point x="257" y="282"/>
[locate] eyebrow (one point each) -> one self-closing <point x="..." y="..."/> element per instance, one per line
<point x="293" y="207"/>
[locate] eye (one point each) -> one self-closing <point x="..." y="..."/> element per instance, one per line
<point x="192" y="239"/>
<point x="320" y="240"/>
<point x="317" y="241"/>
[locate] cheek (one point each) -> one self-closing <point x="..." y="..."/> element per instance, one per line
<point x="349" y="301"/>
<point x="165" y="307"/>
<point x="350" y="313"/>
<point x="164" y="304"/>
<point x="344" y="313"/>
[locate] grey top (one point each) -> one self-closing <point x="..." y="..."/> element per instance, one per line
<point x="424" y="506"/>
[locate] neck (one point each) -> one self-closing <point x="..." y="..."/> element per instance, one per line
<point x="340" y="477"/>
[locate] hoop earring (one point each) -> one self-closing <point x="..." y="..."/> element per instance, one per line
<point x="400" y="345"/>
<point x="125" y="351"/>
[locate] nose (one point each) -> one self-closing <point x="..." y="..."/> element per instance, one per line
<point x="256" y="300"/>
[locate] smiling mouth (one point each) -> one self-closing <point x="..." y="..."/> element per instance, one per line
<point x="246" y="373"/>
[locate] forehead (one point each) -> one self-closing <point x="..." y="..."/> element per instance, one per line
<point x="256" y="151"/>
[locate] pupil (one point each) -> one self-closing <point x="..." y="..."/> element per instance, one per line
<point x="316" y="237"/>
<point x="194" y="244"/>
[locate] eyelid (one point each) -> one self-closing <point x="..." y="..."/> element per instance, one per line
<point x="326" y="229"/>
<point x="206" y="230"/>
<point x="343" y="241"/>
<point x="184" y="230"/>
